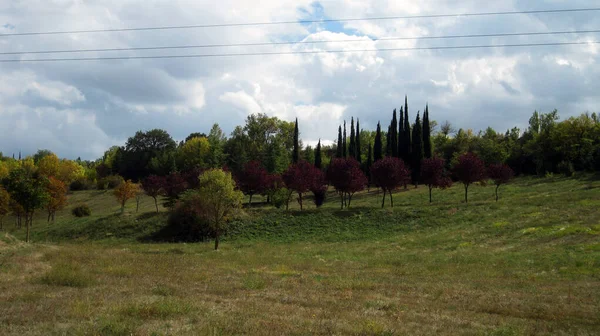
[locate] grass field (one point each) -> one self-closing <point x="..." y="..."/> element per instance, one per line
<point x="526" y="265"/>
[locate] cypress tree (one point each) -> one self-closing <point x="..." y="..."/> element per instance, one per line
<point x="357" y="143"/>
<point x="369" y="164"/>
<point x="318" y="155"/>
<point x="394" y="135"/>
<point x="417" y="150"/>
<point x="340" y="143"/>
<point x="388" y="141"/>
<point x="295" y="153"/>
<point x="426" y="134"/>
<point x="352" y="148"/>
<point x="345" y="147"/>
<point x="407" y="139"/>
<point x="378" y="146"/>
<point x="401" y="140"/>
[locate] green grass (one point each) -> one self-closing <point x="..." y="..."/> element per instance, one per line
<point x="528" y="264"/>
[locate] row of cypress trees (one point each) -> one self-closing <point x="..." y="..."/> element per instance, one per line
<point x="411" y="146"/>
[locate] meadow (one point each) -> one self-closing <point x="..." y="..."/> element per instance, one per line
<point x="526" y="265"/>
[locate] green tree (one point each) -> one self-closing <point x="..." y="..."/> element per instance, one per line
<point x="141" y="149"/>
<point x="344" y="147"/>
<point x="401" y="137"/>
<point x="220" y="200"/>
<point x="378" y="146"/>
<point x="358" y="142"/>
<point x="216" y="140"/>
<point x="352" y="148"/>
<point x="427" y="151"/>
<point x="296" y="151"/>
<point x="318" y="159"/>
<point x="28" y="190"/>
<point x="195" y="153"/>
<point x="4" y="205"/>
<point x="417" y="150"/>
<point x="394" y="135"/>
<point x="407" y="134"/>
<point x="340" y="144"/>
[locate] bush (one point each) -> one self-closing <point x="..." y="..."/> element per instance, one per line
<point x="81" y="211"/>
<point x="280" y="197"/>
<point x="185" y="225"/>
<point x="319" y="195"/>
<point x="109" y="182"/>
<point x="80" y="183"/>
<point x="566" y="168"/>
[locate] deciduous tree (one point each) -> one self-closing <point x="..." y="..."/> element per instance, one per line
<point x="500" y="174"/>
<point x="152" y="186"/>
<point x="252" y="179"/>
<point x="347" y="178"/>
<point x="433" y="174"/>
<point x="388" y="174"/>
<point x="301" y="178"/>
<point x="125" y="191"/>
<point x="4" y="205"/>
<point x="57" y="196"/>
<point x="468" y="170"/>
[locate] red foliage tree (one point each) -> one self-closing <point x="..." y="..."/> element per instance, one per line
<point x="303" y="177"/>
<point x="388" y="174"/>
<point x="433" y="174"/>
<point x="500" y="174"/>
<point x="173" y="185"/>
<point x="345" y="175"/>
<point x="253" y="179"/>
<point x="468" y="170"/>
<point x="152" y="186"/>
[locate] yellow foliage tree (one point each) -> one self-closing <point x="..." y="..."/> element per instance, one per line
<point x="195" y="153"/>
<point x="125" y="191"/>
<point x="69" y="171"/>
<point x="49" y="165"/>
<point x="57" y="190"/>
<point x="4" y="204"/>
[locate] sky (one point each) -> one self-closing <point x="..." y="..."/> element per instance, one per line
<point x="79" y="109"/>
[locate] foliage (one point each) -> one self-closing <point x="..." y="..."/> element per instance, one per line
<point x="48" y="165"/>
<point x="219" y="201"/>
<point x="566" y="168"/>
<point x="81" y="211"/>
<point x="153" y="186"/>
<point x="4" y="204"/>
<point x="417" y="150"/>
<point x="133" y="160"/>
<point x="69" y="171"/>
<point x="109" y="182"/>
<point x="318" y="156"/>
<point x="173" y="185"/>
<point x="81" y="183"/>
<point x="194" y="153"/>
<point x="57" y="192"/>
<point x="500" y="174"/>
<point x="303" y="177"/>
<point x="427" y="150"/>
<point x="319" y="196"/>
<point x="280" y="197"/>
<point x="433" y="174"/>
<point x="296" y="149"/>
<point x="126" y="191"/>
<point x="347" y="178"/>
<point x="388" y="174"/>
<point x="186" y="221"/>
<point x="469" y="169"/>
<point x="253" y="179"/>
<point x="378" y="146"/>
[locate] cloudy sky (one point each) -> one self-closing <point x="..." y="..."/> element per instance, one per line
<point x="81" y="108"/>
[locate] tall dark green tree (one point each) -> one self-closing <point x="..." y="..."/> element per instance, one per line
<point x="394" y="135"/>
<point x="407" y="138"/>
<point x="426" y="134"/>
<point x="318" y="155"/>
<point x="369" y="164"/>
<point x="296" y="151"/>
<point x="388" y="141"/>
<point x="417" y="150"/>
<point x="340" y="144"/>
<point x="352" y="148"/>
<point x="401" y="138"/>
<point x="378" y="146"/>
<point x="345" y="147"/>
<point x="357" y="142"/>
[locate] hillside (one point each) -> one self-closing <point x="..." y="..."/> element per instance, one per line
<point x="528" y="264"/>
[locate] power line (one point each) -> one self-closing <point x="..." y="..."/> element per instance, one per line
<point x="300" y="42"/>
<point x="382" y="18"/>
<point x="298" y="52"/>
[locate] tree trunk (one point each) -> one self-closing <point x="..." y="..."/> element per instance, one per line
<point x="300" y="200"/>
<point x="497" y="186"/>
<point x="137" y="205"/>
<point x="250" y="201"/>
<point x="430" y="194"/>
<point x="391" y="199"/>
<point x="156" y="204"/>
<point x="349" y="200"/>
<point x="383" y="202"/>
<point x="466" y="191"/>
<point x="27" y="228"/>
<point x="53" y="214"/>
<point x="123" y="207"/>
<point x="342" y="200"/>
<point x="216" y="241"/>
<point x="49" y="215"/>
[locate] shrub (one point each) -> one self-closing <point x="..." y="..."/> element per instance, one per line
<point x="319" y="196"/>
<point x="185" y="224"/>
<point x="566" y="168"/>
<point x="109" y="182"/>
<point x="280" y="197"/>
<point x="80" y="183"/>
<point x="81" y="211"/>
